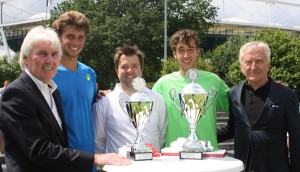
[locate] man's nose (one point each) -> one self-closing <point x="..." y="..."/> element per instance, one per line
<point x="253" y="66"/>
<point x="50" y="58"/>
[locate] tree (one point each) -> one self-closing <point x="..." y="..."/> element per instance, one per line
<point x="235" y="75"/>
<point x="224" y="55"/>
<point x="118" y="22"/>
<point x="171" y="65"/>
<point x="198" y="15"/>
<point x="9" y="70"/>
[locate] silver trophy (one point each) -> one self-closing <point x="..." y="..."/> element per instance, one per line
<point x="193" y="104"/>
<point x="138" y="107"/>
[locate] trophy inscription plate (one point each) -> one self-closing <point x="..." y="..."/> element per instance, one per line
<point x="140" y="156"/>
<point x="190" y="155"/>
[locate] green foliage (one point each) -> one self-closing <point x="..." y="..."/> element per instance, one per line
<point x="9" y="70"/>
<point x="224" y="55"/>
<point x="150" y="85"/>
<point x="171" y="65"/>
<point x="116" y="22"/>
<point x="235" y="75"/>
<point x="205" y="65"/>
<point x="198" y="15"/>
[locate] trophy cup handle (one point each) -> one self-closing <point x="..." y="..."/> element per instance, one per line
<point x="122" y="101"/>
<point x="155" y="103"/>
<point x="212" y="94"/>
<point x="173" y="94"/>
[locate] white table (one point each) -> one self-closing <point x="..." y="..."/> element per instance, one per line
<point x="174" y="164"/>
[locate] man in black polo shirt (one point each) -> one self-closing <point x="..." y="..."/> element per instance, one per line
<point x="261" y="113"/>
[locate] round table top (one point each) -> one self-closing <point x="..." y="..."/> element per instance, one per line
<point x="174" y="164"/>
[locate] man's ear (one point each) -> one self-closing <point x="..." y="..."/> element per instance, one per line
<point x="174" y="54"/>
<point x="269" y="66"/>
<point x="25" y="58"/>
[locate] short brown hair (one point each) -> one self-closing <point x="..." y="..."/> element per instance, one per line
<point x="185" y="36"/>
<point x="73" y="18"/>
<point x="128" y="50"/>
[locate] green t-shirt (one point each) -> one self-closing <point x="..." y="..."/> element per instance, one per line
<point x="177" y="124"/>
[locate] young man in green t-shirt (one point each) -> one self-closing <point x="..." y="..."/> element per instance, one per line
<point x="185" y="46"/>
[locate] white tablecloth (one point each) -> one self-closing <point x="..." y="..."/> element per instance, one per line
<point x="174" y="164"/>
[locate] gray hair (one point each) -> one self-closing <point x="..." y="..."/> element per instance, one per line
<point x="254" y="44"/>
<point x="39" y="33"/>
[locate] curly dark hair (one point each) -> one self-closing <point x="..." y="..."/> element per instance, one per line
<point x="73" y="18"/>
<point x="185" y="36"/>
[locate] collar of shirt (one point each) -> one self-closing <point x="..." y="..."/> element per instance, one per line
<point x="120" y="91"/>
<point x="42" y="85"/>
<point x="265" y="87"/>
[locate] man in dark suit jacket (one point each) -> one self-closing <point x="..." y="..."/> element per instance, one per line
<point x="31" y="114"/>
<point x="261" y="113"/>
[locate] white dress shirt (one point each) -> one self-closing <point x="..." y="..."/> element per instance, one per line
<point x="47" y="90"/>
<point x="113" y="128"/>
<point x="1" y="90"/>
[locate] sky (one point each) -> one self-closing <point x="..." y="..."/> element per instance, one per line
<point x="20" y="10"/>
<point x="249" y="11"/>
<point x="252" y="12"/>
<point x="260" y="12"/>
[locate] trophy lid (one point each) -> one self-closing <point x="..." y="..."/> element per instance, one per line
<point x="139" y="97"/>
<point x="138" y="84"/>
<point x="193" y="88"/>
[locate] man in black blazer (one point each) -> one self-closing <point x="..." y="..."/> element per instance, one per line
<point x="32" y="119"/>
<point x="262" y="112"/>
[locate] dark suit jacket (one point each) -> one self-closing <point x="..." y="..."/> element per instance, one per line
<point x="33" y="139"/>
<point x="267" y="137"/>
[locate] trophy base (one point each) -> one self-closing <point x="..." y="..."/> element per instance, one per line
<point x="190" y="155"/>
<point x="140" y="156"/>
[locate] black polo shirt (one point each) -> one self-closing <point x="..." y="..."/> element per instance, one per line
<point x="254" y="100"/>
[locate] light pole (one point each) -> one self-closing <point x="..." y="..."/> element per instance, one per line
<point x="3" y="33"/>
<point x="165" y="32"/>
